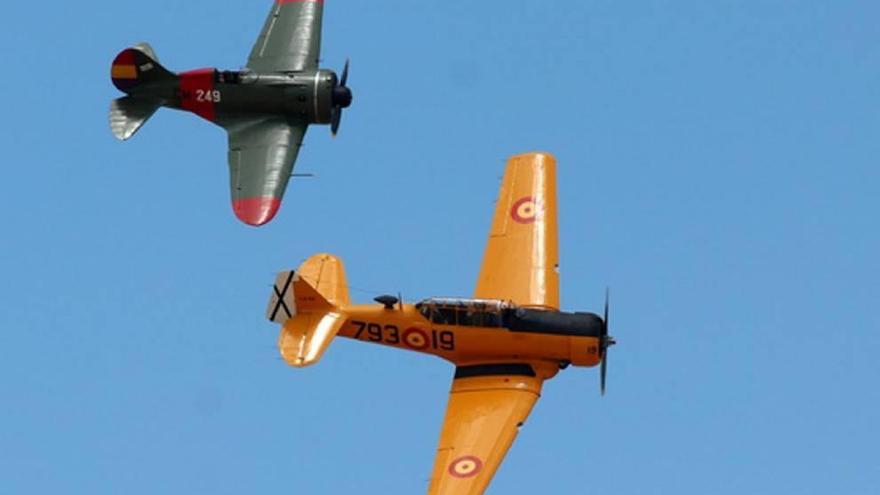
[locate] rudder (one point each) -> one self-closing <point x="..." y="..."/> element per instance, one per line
<point x="318" y="285"/>
<point x="136" y="66"/>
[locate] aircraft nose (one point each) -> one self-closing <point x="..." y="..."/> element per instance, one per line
<point x="342" y="96"/>
<point x="256" y="211"/>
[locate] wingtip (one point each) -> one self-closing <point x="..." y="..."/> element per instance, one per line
<point x="535" y="157"/>
<point x="256" y="211"/>
<point x="120" y="136"/>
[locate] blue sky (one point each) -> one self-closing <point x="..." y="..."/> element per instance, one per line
<point x="718" y="169"/>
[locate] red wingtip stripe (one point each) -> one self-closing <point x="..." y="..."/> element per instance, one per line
<point x="256" y="211"/>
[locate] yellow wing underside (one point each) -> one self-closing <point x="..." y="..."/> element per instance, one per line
<point x="482" y="420"/>
<point x="521" y="258"/>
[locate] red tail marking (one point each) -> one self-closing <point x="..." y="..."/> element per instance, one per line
<point x="197" y="93"/>
<point x="123" y="72"/>
<point x="125" y="57"/>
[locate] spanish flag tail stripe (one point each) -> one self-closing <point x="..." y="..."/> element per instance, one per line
<point x="123" y="72"/>
<point x="135" y="66"/>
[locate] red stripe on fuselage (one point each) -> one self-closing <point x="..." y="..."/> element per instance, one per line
<point x="197" y="93"/>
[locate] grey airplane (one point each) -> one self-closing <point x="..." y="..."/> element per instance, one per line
<point x="265" y="107"/>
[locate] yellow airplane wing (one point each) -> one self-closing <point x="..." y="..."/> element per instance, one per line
<point x="521" y="258"/>
<point x="487" y="405"/>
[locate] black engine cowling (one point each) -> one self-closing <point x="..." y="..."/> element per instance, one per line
<point x="554" y="322"/>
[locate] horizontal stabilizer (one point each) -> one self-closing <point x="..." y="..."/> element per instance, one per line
<point x="304" y="338"/>
<point x="128" y="114"/>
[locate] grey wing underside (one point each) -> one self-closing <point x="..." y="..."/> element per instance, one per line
<point x="291" y="38"/>
<point x="262" y="151"/>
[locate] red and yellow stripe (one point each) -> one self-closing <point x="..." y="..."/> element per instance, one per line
<point x="124" y="66"/>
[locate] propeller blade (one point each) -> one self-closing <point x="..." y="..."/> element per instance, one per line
<point x="604" y="343"/>
<point x="337" y="119"/>
<point x="341" y="99"/>
<point x="344" y="78"/>
<point x="607" y="298"/>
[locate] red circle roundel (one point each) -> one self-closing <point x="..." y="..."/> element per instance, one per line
<point x="415" y="339"/>
<point x="524" y="210"/>
<point x="465" y="467"/>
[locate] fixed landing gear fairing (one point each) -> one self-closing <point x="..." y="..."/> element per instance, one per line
<point x="505" y="341"/>
<point x="265" y="108"/>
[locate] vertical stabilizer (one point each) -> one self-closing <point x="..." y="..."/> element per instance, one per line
<point x="136" y="71"/>
<point x="136" y="67"/>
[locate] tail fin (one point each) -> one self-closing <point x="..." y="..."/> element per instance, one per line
<point x="132" y="72"/>
<point x="136" y="66"/>
<point x="310" y="304"/>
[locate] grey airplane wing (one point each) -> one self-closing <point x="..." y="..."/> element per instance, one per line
<point x="262" y="151"/>
<point x="291" y="38"/>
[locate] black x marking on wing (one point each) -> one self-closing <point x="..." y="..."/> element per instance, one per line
<point x="280" y="295"/>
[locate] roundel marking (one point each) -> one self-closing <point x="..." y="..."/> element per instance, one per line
<point x="415" y="338"/>
<point x="524" y="210"/>
<point x="465" y="467"/>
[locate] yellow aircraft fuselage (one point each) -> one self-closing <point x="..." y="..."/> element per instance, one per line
<point x="404" y="327"/>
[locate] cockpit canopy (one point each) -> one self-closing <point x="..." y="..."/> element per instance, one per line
<point x="464" y="312"/>
<point x="227" y="76"/>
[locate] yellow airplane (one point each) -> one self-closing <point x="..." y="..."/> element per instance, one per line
<point x="505" y="341"/>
